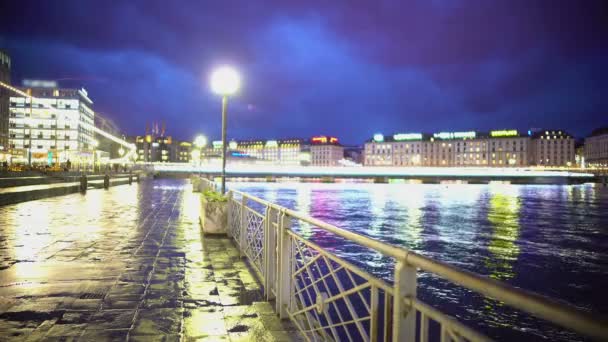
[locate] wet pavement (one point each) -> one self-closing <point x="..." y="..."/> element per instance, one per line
<point x="128" y="263"/>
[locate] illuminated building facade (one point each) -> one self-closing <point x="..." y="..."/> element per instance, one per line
<point x="151" y="148"/>
<point x="552" y="148"/>
<point x="596" y="148"/>
<point x="184" y="152"/>
<point x="499" y="148"/>
<point x="5" y="77"/>
<point x="508" y="148"/>
<point x="55" y="127"/>
<point x="325" y="151"/>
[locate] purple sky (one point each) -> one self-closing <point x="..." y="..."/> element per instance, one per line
<point x="348" y="69"/>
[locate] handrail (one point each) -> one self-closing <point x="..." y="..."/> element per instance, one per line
<point x="560" y="313"/>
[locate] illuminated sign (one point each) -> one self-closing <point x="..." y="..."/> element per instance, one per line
<point x="272" y="143"/>
<point x="378" y="137"/>
<point x="504" y="133"/>
<point x="455" y="135"/>
<point x="407" y="136"/>
<point x="232" y="145"/>
<point x="217" y="144"/>
<point x="239" y="154"/>
<point x="324" y="140"/>
<point x="319" y="140"/>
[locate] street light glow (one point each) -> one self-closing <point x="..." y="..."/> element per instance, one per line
<point x="200" y="141"/>
<point x="225" y="81"/>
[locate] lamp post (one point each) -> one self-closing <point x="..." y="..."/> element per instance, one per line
<point x="225" y="81"/>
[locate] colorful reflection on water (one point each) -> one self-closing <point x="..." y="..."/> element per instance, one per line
<point x="549" y="239"/>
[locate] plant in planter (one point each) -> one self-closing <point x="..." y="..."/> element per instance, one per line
<point x="214" y="212"/>
<point x="196" y="181"/>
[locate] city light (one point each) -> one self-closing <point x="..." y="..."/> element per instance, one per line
<point x="200" y="141"/>
<point x="225" y="81"/>
<point x="378" y="137"/>
<point x="455" y="135"/>
<point x="407" y="136"/>
<point x="504" y="133"/>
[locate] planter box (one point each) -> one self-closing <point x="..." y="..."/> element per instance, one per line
<point x="214" y="216"/>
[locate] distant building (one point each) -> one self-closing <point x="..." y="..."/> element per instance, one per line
<point x="325" y="151"/>
<point x="151" y="148"/>
<point x="596" y="148"/>
<point x="5" y="77"/>
<point x="552" y="148"/>
<point x="155" y="146"/>
<point x="498" y="148"/>
<point x="56" y="127"/>
<point x="508" y="148"/>
<point x="184" y="152"/>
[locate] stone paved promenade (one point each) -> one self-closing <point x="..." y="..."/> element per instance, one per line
<point x="128" y="263"/>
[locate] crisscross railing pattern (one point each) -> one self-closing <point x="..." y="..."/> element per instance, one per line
<point x="234" y="218"/>
<point x="254" y="241"/>
<point x="328" y="298"/>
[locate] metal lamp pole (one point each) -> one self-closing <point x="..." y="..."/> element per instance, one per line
<point x="224" y="104"/>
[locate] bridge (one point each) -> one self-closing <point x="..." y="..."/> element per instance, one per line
<point x="377" y="174"/>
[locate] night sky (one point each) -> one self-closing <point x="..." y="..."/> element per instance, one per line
<point x="348" y="69"/>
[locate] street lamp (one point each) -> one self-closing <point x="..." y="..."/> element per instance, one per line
<point x="224" y="81"/>
<point x="200" y="141"/>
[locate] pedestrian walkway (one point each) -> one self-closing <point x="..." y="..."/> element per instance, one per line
<point x="125" y="264"/>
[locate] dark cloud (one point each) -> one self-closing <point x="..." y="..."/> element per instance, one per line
<point x="344" y="68"/>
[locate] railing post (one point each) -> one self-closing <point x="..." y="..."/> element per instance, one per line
<point x="283" y="267"/>
<point x="271" y="252"/>
<point x="404" y="318"/>
<point x="229" y="213"/>
<point x="243" y="227"/>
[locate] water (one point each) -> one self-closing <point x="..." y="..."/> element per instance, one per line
<point x="550" y="239"/>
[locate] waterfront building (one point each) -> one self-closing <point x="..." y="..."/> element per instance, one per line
<point x="184" y="152"/>
<point x="508" y="148"/>
<point x="325" y="151"/>
<point x="5" y="77"/>
<point x="499" y="148"/>
<point x="552" y="148"/>
<point x="596" y="148"/>
<point x="56" y="126"/>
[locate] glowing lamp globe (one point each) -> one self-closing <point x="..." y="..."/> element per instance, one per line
<point x="225" y="81"/>
<point x="200" y="141"/>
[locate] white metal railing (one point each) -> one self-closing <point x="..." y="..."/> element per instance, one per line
<point x="329" y="298"/>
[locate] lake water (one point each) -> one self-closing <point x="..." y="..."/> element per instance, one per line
<point x="551" y="239"/>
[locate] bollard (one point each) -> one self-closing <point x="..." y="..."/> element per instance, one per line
<point x="137" y="178"/>
<point x="83" y="183"/>
<point x="106" y="181"/>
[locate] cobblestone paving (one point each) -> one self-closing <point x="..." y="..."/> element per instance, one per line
<point x="125" y="264"/>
